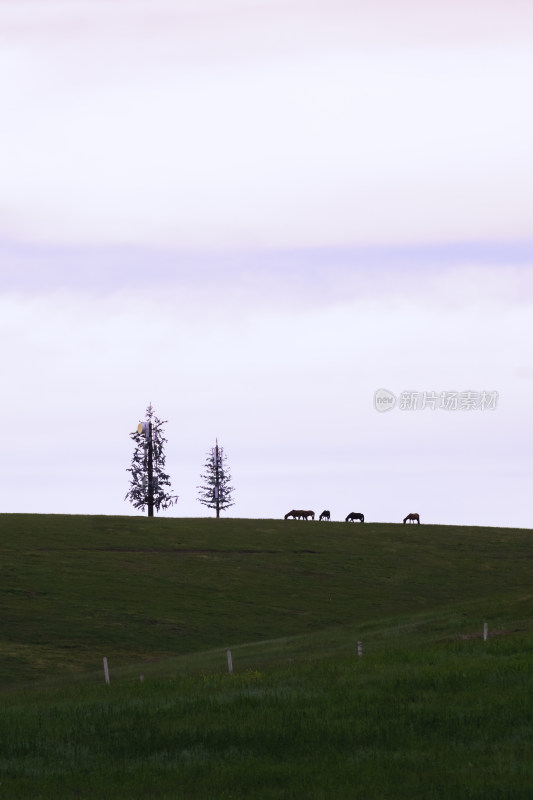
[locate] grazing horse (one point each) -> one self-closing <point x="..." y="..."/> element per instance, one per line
<point x="325" y="515"/>
<point x="412" y="518"/>
<point x="300" y="514"/>
<point x="355" y="516"/>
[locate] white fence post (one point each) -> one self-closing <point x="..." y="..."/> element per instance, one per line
<point x="359" y="648"/>
<point x="485" y="631"/>
<point x="106" y="671"/>
<point x="230" y="663"/>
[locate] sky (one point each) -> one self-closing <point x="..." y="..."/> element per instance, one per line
<point x="256" y="216"/>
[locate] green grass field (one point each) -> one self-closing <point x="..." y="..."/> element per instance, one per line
<point x="429" y="710"/>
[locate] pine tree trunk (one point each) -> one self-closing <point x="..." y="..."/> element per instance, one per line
<point x="217" y="490"/>
<point x="150" y="474"/>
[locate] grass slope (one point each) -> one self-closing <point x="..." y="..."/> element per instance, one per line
<point x="76" y="588"/>
<point x="429" y="710"/>
<point x="446" y="721"/>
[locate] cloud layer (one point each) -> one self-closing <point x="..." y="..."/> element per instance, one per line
<point x="267" y="124"/>
<point x="253" y="215"/>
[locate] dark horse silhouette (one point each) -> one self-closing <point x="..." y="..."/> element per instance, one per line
<point x="325" y="515"/>
<point x="412" y="518"/>
<point x="300" y="514"/>
<point x="355" y="516"/>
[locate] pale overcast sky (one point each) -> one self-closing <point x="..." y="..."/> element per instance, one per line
<point x="255" y="215"/>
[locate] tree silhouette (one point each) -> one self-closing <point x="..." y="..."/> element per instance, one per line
<point x="216" y="491"/>
<point x="149" y="484"/>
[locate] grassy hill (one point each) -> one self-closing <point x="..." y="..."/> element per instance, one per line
<point x="76" y="588"/>
<point x="429" y="710"/>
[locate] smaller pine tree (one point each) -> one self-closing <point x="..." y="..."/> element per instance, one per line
<point x="216" y="491"/>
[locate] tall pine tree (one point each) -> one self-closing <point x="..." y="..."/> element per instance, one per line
<point x="149" y="484"/>
<point x="216" y="491"/>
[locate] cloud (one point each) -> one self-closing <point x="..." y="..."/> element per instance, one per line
<point x="246" y="280"/>
<point x="254" y="215"/>
<point x="282" y="125"/>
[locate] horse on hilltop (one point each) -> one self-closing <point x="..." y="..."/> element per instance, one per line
<point x="325" y="515"/>
<point x="412" y="518"/>
<point x="299" y="514"/>
<point x="354" y="517"/>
